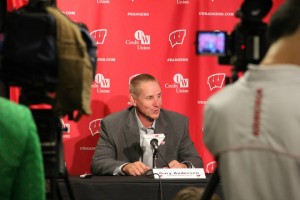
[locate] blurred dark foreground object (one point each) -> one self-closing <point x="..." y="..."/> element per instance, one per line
<point x="44" y="50"/>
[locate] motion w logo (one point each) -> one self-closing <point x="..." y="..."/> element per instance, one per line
<point x="99" y="35"/>
<point x="177" y="37"/>
<point x="94" y="126"/>
<point x="216" y="81"/>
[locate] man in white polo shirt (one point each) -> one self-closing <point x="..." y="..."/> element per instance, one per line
<point x="252" y="126"/>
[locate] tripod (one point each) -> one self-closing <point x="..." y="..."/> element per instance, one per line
<point x="50" y="132"/>
<point x="211" y="186"/>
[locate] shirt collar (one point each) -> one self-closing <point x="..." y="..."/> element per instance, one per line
<point x="140" y="123"/>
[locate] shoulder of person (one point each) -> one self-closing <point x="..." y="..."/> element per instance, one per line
<point x="118" y="115"/>
<point x="172" y="114"/>
<point x="12" y="108"/>
<point x="15" y="117"/>
<point x="226" y="92"/>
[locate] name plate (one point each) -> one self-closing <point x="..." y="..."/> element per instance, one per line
<point x="180" y="173"/>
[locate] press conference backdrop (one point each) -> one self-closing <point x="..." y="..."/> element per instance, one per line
<point x="143" y="36"/>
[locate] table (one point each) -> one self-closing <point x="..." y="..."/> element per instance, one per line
<point x="128" y="187"/>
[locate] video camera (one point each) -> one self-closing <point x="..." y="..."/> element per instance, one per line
<point x="247" y="42"/>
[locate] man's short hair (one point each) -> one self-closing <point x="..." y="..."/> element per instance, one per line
<point x="285" y="21"/>
<point x="137" y="80"/>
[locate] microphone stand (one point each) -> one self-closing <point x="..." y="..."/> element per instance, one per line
<point x="211" y="185"/>
<point x="154" y="144"/>
<point x="155" y="158"/>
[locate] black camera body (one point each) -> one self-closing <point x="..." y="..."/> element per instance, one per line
<point x="246" y="44"/>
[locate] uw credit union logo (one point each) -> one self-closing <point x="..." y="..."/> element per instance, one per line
<point x="180" y="84"/>
<point x="142" y="41"/>
<point x="101" y="83"/>
<point x="103" y="1"/>
<point x="183" y="1"/>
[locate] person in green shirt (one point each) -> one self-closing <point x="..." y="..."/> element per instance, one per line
<point x="21" y="163"/>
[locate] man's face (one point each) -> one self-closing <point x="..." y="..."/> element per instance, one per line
<point x="148" y="101"/>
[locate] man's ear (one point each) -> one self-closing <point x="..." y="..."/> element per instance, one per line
<point x="132" y="99"/>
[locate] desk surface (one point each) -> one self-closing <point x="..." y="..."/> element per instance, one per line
<point x="126" y="187"/>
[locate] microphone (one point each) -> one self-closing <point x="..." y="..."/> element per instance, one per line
<point x="154" y="144"/>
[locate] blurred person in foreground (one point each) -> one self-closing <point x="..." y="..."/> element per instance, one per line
<point x="119" y="151"/>
<point x="193" y="193"/>
<point x="21" y="162"/>
<point x="252" y="126"/>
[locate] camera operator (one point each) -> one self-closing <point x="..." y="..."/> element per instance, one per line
<point x="252" y="126"/>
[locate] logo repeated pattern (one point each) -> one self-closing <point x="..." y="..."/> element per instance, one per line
<point x="156" y="37"/>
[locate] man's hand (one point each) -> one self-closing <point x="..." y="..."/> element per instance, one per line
<point x="176" y="164"/>
<point x="135" y="169"/>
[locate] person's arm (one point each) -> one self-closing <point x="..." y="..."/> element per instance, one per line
<point x="30" y="183"/>
<point x="118" y="170"/>
<point x="103" y="161"/>
<point x="135" y="169"/>
<point x="188" y="154"/>
<point x="176" y="164"/>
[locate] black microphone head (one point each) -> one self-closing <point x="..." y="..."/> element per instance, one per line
<point x="154" y="140"/>
<point x="154" y="143"/>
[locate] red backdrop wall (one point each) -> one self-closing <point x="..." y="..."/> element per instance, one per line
<point x="141" y="36"/>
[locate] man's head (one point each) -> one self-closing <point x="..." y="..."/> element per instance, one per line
<point x="145" y="95"/>
<point x="283" y="35"/>
<point x="285" y="21"/>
